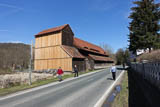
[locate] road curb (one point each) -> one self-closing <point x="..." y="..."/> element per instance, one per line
<point x="47" y="85"/>
<point x="106" y="94"/>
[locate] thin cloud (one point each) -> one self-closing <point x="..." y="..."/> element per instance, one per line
<point x="10" y="6"/>
<point x="11" y="9"/>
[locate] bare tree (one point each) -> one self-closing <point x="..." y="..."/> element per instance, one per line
<point x="106" y="48"/>
<point x="122" y="56"/>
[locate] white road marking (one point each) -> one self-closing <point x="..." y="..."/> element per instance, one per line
<point x="103" y="98"/>
<point x="77" y="95"/>
<point x="45" y="86"/>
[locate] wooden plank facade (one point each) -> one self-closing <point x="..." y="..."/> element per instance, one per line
<point x="49" y="53"/>
<point x="57" y="47"/>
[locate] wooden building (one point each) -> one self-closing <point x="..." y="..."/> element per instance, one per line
<point x="95" y="56"/>
<point x="57" y="47"/>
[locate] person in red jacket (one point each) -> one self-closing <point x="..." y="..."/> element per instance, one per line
<point x="60" y="72"/>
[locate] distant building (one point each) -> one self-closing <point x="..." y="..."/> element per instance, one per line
<point x="57" y="47"/>
<point x="141" y="51"/>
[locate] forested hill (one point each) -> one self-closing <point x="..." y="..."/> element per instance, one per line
<point x="17" y="54"/>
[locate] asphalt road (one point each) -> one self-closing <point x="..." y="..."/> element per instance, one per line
<point x="84" y="91"/>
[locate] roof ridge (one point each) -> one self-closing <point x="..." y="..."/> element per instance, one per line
<point x="88" y="42"/>
<point x="50" y="30"/>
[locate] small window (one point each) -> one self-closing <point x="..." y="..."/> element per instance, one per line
<point x="86" y="47"/>
<point x="94" y="50"/>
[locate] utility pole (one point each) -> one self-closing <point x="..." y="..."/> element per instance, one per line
<point x="30" y="64"/>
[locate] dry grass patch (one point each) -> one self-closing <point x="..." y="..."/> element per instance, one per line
<point x="20" y="87"/>
<point x="153" y="56"/>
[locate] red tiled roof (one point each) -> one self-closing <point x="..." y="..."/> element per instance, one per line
<point x="81" y="44"/>
<point x="73" y="52"/>
<point x="100" y="58"/>
<point x="55" y="29"/>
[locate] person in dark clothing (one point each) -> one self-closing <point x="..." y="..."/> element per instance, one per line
<point x="75" y="71"/>
<point x="123" y="65"/>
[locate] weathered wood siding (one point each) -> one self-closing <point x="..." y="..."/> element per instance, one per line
<point x="80" y="64"/>
<point x="65" y="64"/>
<point x="48" y="40"/>
<point x="50" y="55"/>
<point x="67" y="36"/>
<point x="89" y="64"/>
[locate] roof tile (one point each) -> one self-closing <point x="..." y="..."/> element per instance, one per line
<point x="100" y="58"/>
<point x="73" y="52"/>
<point x="55" y="29"/>
<point x="81" y="44"/>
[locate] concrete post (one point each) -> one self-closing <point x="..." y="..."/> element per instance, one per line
<point x="30" y="65"/>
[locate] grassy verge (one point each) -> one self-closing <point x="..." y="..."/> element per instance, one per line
<point x="121" y="99"/>
<point x="5" y="91"/>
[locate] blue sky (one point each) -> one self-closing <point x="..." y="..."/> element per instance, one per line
<point x="96" y="21"/>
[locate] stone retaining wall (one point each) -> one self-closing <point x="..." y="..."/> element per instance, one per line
<point x="9" y="80"/>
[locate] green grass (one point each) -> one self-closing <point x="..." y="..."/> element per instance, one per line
<point x="5" y="91"/>
<point x="121" y="99"/>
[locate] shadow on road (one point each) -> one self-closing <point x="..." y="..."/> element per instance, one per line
<point x="109" y="78"/>
<point x="121" y="68"/>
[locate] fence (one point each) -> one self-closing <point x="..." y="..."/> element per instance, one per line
<point x="148" y="71"/>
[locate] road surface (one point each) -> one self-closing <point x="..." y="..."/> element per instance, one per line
<point x="84" y="91"/>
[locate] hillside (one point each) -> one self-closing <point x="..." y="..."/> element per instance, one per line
<point x="14" y="54"/>
<point x="154" y="56"/>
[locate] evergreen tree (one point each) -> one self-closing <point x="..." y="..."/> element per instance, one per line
<point x="144" y="27"/>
